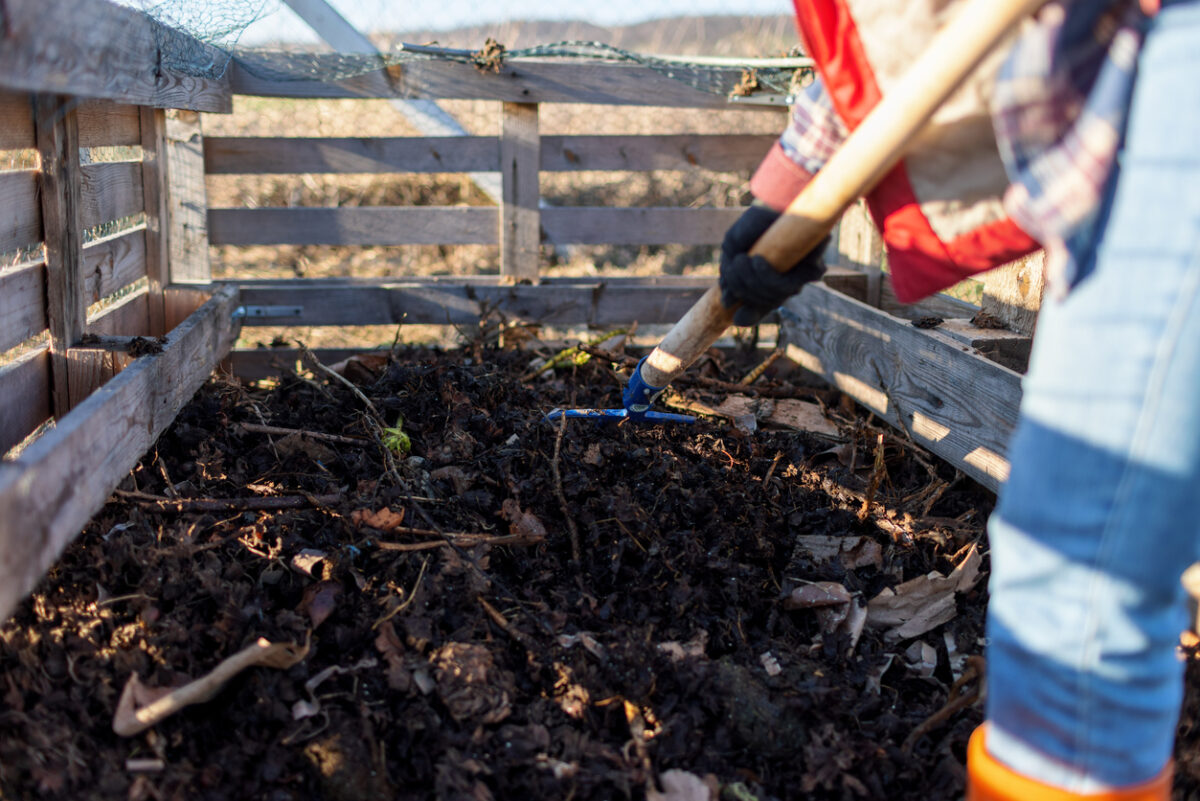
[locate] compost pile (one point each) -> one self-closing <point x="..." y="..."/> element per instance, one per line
<point x="477" y="603"/>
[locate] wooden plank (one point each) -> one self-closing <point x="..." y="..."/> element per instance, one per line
<point x="94" y="48"/>
<point x="91" y="368"/>
<point x="16" y="122"/>
<point x="1013" y="293"/>
<point x="22" y="305"/>
<point x="629" y="226"/>
<point x="51" y="490"/>
<point x="940" y="305"/>
<point x="127" y="317"/>
<point x="598" y="302"/>
<point x="519" y="232"/>
<point x="1009" y="348"/>
<point x="427" y="225"/>
<point x="187" y="200"/>
<point x="155" y="189"/>
<point x="957" y="404"/>
<point x="103" y="123"/>
<point x="518" y="81"/>
<point x="25" y="387"/>
<point x="57" y="130"/>
<point x="20" y="211"/>
<point x="110" y="191"/>
<point x="275" y="156"/>
<point x="859" y="246"/>
<point x="113" y="263"/>
<point x="720" y="152"/>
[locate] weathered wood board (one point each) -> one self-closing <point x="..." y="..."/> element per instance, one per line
<point x="54" y="487"/>
<point x="952" y="401"/>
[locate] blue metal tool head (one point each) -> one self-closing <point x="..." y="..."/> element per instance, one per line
<point x="638" y="397"/>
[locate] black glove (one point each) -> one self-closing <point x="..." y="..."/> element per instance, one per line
<point x="750" y="280"/>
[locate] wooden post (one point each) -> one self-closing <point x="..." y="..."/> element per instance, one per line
<point x="859" y="246"/>
<point x="187" y="212"/>
<point x="155" y="190"/>
<point x="1013" y="293"/>
<point x="57" y="130"/>
<point x="520" y="221"/>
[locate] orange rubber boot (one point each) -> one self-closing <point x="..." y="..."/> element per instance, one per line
<point x="988" y="780"/>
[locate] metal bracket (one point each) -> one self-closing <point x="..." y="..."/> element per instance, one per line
<point x="763" y="99"/>
<point x="261" y="312"/>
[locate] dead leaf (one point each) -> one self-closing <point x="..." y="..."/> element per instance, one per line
<point x="297" y="443"/>
<point x="924" y="603"/>
<point x="693" y="648"/>
<point x="319" y="600"/>
<point x="593" y="456"/>
<point x="383" y="520"/>
<point x="307" y="559"/>
<point x="679" y="785"/>
<point x="141" y="707"/>
<point x="362" y="368"/>
<point x="522" y="523"/>
<point x="817" y="594"/>
<point x="875" y="676"/>
<point x="921" y="658"/>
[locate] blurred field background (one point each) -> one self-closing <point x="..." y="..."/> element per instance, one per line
<point x="252" y="116"/>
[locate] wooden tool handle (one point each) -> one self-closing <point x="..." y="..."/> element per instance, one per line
<point x="862" y="160"/>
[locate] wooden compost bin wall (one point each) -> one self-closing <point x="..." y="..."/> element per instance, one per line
<point x="97" y="242"/>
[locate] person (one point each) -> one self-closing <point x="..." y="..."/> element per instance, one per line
<point x="1096" y="112"/>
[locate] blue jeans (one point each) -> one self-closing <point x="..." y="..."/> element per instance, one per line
<point x="1100" y="514"/>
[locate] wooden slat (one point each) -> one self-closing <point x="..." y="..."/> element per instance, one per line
<point x="720" y="152"/>
<point x="113" y="263"/>
<point x="20" y="211"/>
<point x="604" y="302"/>
<point x="126" y="317"/>
<point x="523" y="81"/>
<point x="155" y="188"/>
<point x="187" y="201"/>
<point x="110" y="191"/>
<point x="519" y="233"/>
<point x="55" y="122"/>
<point x="859" y="246"/>
<point x="627" y="226"/>
<point x="955" y="403"/>
<point x="92" y="368"/>
<point x="103" y="123"/>
<point x="22" y="306"/>
<point x="94" y="48"/>
<point x="25" y="388"/>
<point x="273" y="156"/>
<point x="436" y="225"/>
<point x="940" y="305"/>
<point x="16" y="121"/>
<point x="48" y="493"/>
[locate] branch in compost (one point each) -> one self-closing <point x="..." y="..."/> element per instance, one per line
<point x="254" y="503"/>
<point x="255" y="428"/>
<point x="562" y="498"/>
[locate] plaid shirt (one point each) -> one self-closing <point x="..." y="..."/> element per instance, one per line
<point x="1058" y="109"/>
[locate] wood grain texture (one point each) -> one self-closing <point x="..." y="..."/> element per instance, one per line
<point x="22" y="305"/>
<point x="60" y="179"/>
<point x="274" y="156"/>
<point x="20" y="211"/>
<point x="523" y="81"/>
<point x="25" y="387"/>
<point x="48" y="493"/>
<point x="1013" y="293"/>
<point x="594" y="225"/>
<point x="720" y="152"/>
<point x="110" y="191"/>
<point x="97" y="49"/>
<point x="519" y="233"/>
<point x="113" y="263"/>
<point x="103" y="123"/>
<point x="155" y="189"/>
<point x="951" y="401"/>
<point x="605" y="302"/>
<point x="16" y="121"/>
<point x="428" y="225"/>
<point x="187" y="200"/>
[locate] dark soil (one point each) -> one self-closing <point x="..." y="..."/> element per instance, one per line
<point x="501" y="669"/>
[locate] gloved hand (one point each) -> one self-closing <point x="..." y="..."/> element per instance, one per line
<point x="751" y="281"/>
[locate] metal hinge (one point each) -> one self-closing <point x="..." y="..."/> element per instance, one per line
<point x="260" y="312"/>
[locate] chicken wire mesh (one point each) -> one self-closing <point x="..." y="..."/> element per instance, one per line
<point x="268" y="39"/>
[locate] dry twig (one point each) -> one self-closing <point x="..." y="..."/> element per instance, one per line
<point x="562" y="498"/>
<point x="956" y="701"/>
